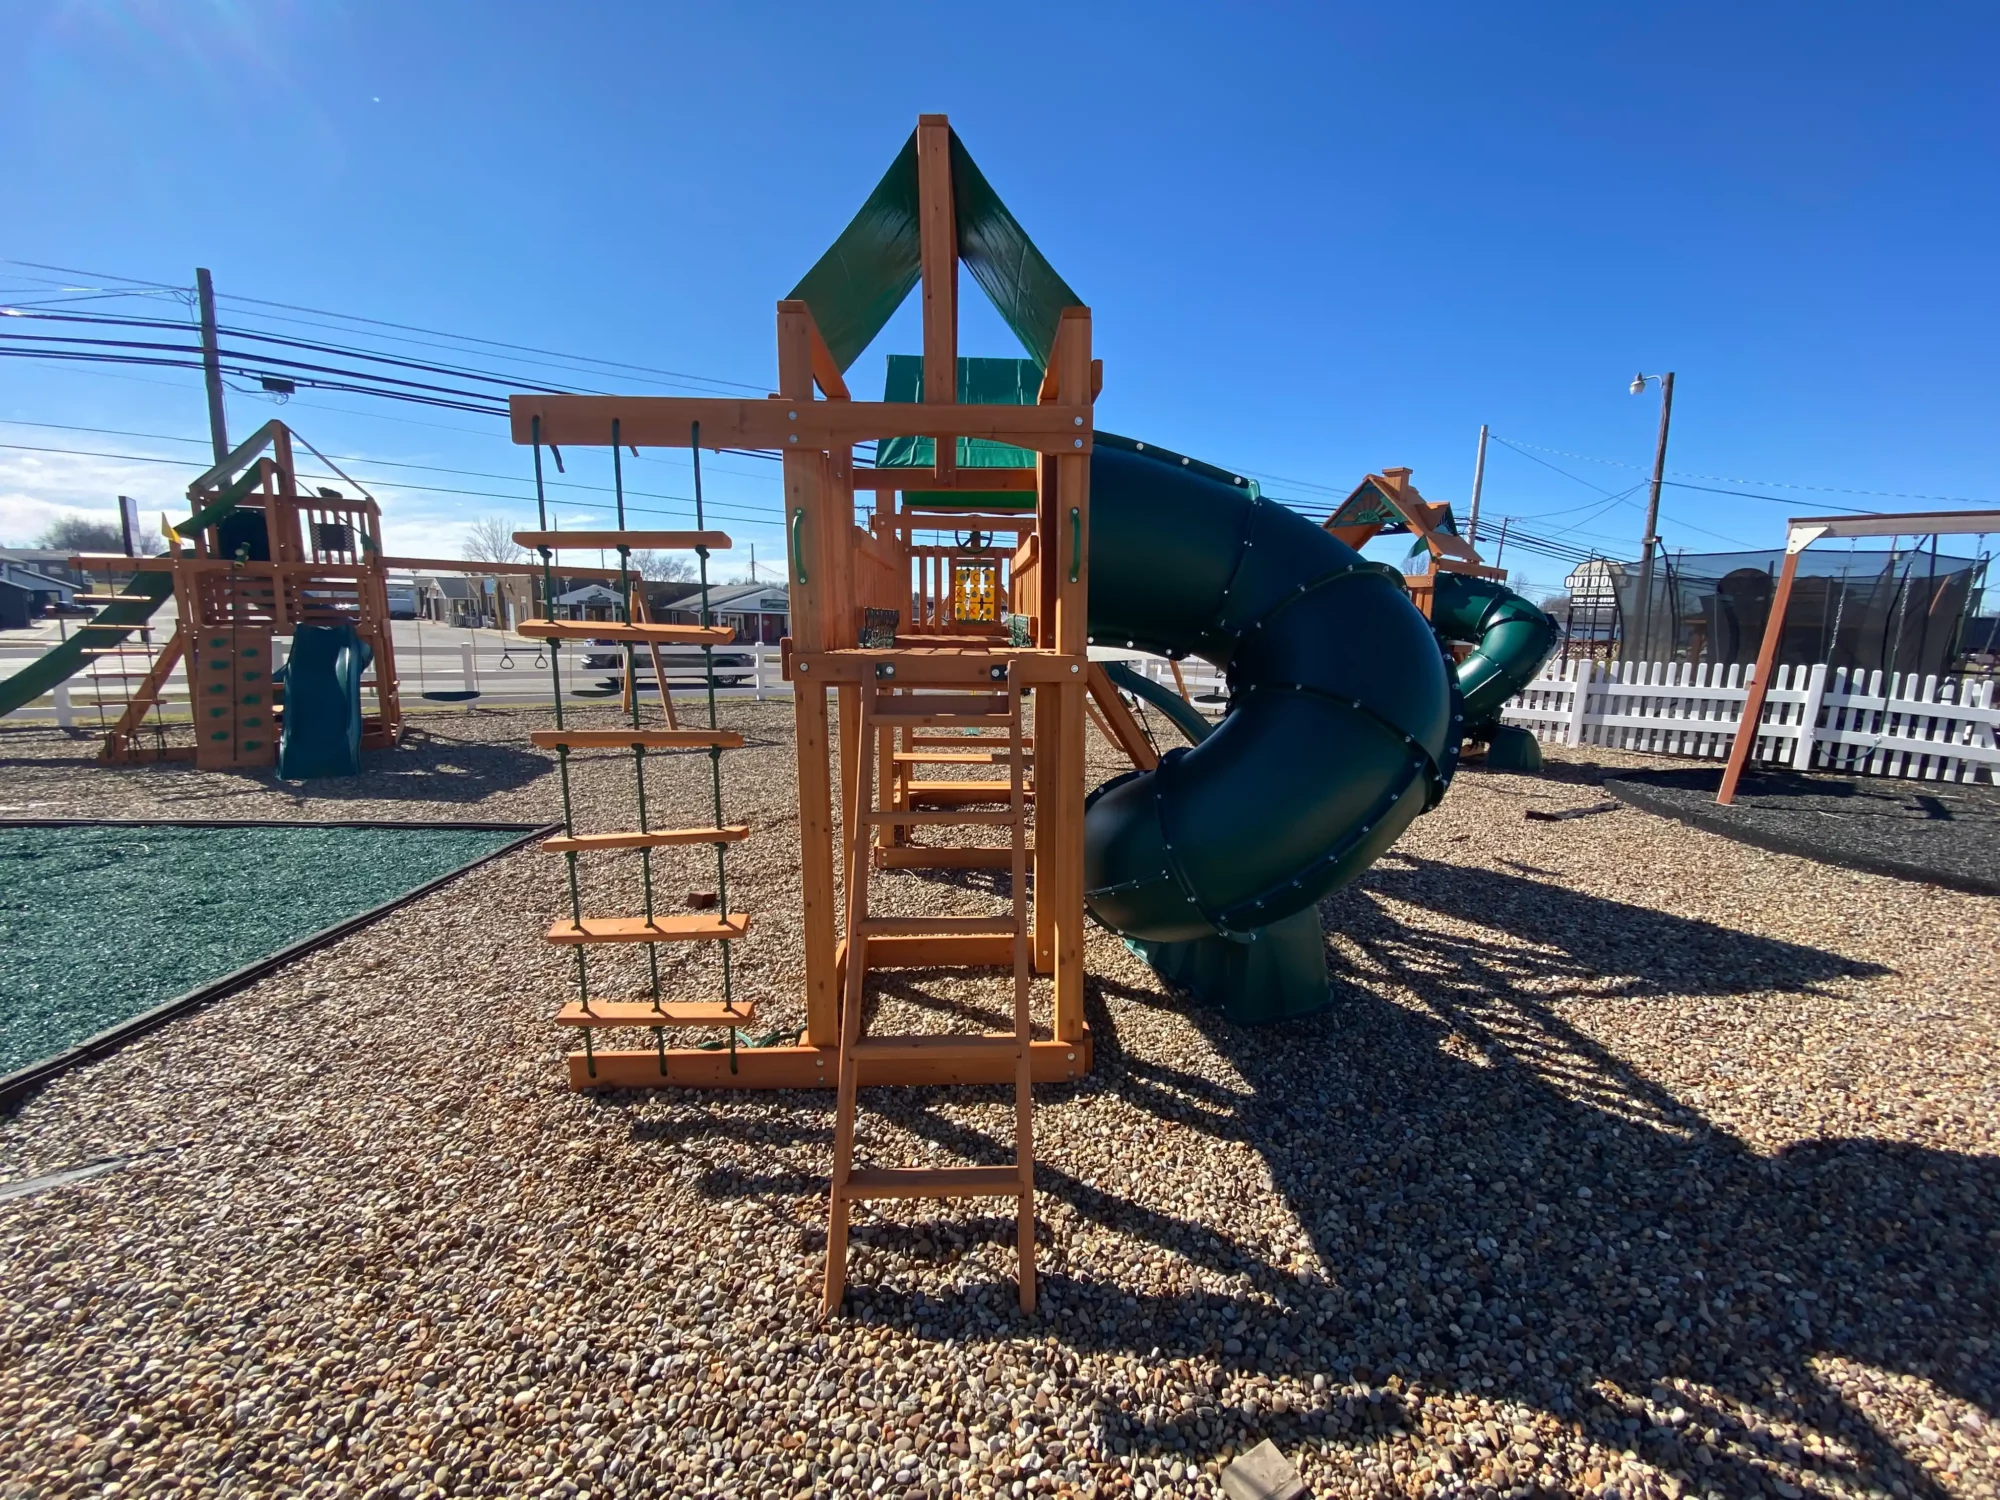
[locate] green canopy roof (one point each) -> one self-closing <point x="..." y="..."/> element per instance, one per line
<point x="856" y="287"/>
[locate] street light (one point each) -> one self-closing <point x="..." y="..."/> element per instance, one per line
<point x="1651" y="540"/>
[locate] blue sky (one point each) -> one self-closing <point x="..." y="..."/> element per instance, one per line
<point x="1317" y="240"/>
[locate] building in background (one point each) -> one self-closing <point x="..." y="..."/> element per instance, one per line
<point x="757" y="612"/>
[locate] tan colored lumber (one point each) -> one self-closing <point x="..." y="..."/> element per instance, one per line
<point x="805" y="1067"/>
<point x="789" y="425"/>
<point x="582" y="843"/>
<point x="873" y="927"/>
<point x="646" y="1013"/>
<point x="934" y="1182"/>
<point x="924" y="857"/>
<point x="701" y="927"/>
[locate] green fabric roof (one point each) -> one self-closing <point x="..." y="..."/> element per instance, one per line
<point x="864" y="276"/>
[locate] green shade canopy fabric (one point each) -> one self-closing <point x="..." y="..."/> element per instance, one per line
<point x="993" y="382"/>
<point x="856" y="287"/>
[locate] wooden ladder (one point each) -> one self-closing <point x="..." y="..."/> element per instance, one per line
<point x="972" y="703"/>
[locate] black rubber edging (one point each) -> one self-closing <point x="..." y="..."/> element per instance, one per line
<point x="16" y="1086"/>
<point x="1637" y="795"/>
<point x="402" y="823"/>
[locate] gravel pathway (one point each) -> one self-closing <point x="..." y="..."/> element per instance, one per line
<point x="1633" y="1161"/>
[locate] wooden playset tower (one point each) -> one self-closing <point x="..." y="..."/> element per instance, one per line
<point x="954" y="654"/>
<point x="259" y="557"/>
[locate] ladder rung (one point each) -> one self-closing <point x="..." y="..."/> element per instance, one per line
<point x="938" y="1048"/>
<point x="582" y="842"/>
<point x="937" y="926"/>
<point x="947" y="721"/>
<point x="645" y="1013"/>
<point x="901" y="708"/>
<point x="642" y="541"/>
<point x="905" y="817"/>
<point x="951" y="792"/>
<point x="605" y="630"/>
<point x="704" y="927"/>
<point x="934" y="1182"/>
<point x="921" y="857"/>
<point x="955" y="757"/>
<point x="652" y="739"/>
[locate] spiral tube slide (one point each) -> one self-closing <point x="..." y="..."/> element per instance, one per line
<point x="1511" y="639"/>
<point x="1343" y="722"/>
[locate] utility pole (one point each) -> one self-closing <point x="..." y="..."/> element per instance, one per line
<point x="1478" y="483"/>
<point x="211" y="364"/>
<point x="1651" y="542"/>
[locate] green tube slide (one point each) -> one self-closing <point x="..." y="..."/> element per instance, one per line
<point x="1344" y="722"/>
<point x="1341" y="727"/>
<point x="1510" y="640"/>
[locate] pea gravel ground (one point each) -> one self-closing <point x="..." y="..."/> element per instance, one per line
<point x="1632" y="1161"/>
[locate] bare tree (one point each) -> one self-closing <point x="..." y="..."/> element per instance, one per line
<point x="663" y="567"/>
<point x="491" y="539"/>
<point x="81" y="534"/>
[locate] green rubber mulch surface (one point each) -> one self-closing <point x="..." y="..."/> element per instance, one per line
<point x="98" y="925"/>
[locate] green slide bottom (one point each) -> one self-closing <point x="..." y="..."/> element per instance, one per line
<point x="322" y="678"/>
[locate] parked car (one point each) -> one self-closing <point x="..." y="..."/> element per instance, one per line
<point x="732" y="666"/>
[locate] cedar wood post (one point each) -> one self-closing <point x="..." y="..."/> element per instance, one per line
<point x="1072" y="365"/>
<point x="805" y="522"/>
<point x="1767" y="656"/>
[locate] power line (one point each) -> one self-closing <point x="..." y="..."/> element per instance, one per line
<point x="1769" y="484"/>
<point x="772" y="516"/>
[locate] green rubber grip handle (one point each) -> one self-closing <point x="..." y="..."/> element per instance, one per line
<point x="1075" y="541"/>
<point x="792" y="535"/>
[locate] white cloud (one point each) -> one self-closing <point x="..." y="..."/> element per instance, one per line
<point x="37" y="489"/>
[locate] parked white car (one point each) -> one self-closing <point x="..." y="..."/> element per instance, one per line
<point x="732" y="665"/>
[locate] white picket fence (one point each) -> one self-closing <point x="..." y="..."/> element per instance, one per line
<point x="1934" y="729"/>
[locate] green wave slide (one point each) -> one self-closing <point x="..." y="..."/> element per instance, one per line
<point x="1344" y="723"/>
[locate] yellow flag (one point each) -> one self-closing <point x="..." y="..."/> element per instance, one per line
<point x="167" y="529"/>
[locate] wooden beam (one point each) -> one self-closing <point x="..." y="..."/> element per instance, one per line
<point x="1118" y="724"/>
<point x="915" y="668"/>
<point x="826" y="371"/>
<point x="937" y="229"/>
<point x="695" y="927"/>
<point x="1008" y="480"/>
<point x="813" y="1067"/>
<point x="1745" y="743"/>
<point x="498" y="570"/>
<point x="805" y="520"/>
<point x="791" y="424"/>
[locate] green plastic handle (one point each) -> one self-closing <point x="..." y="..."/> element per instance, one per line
<point x="798" y="562"/>
<point x="1075" y="541"/>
